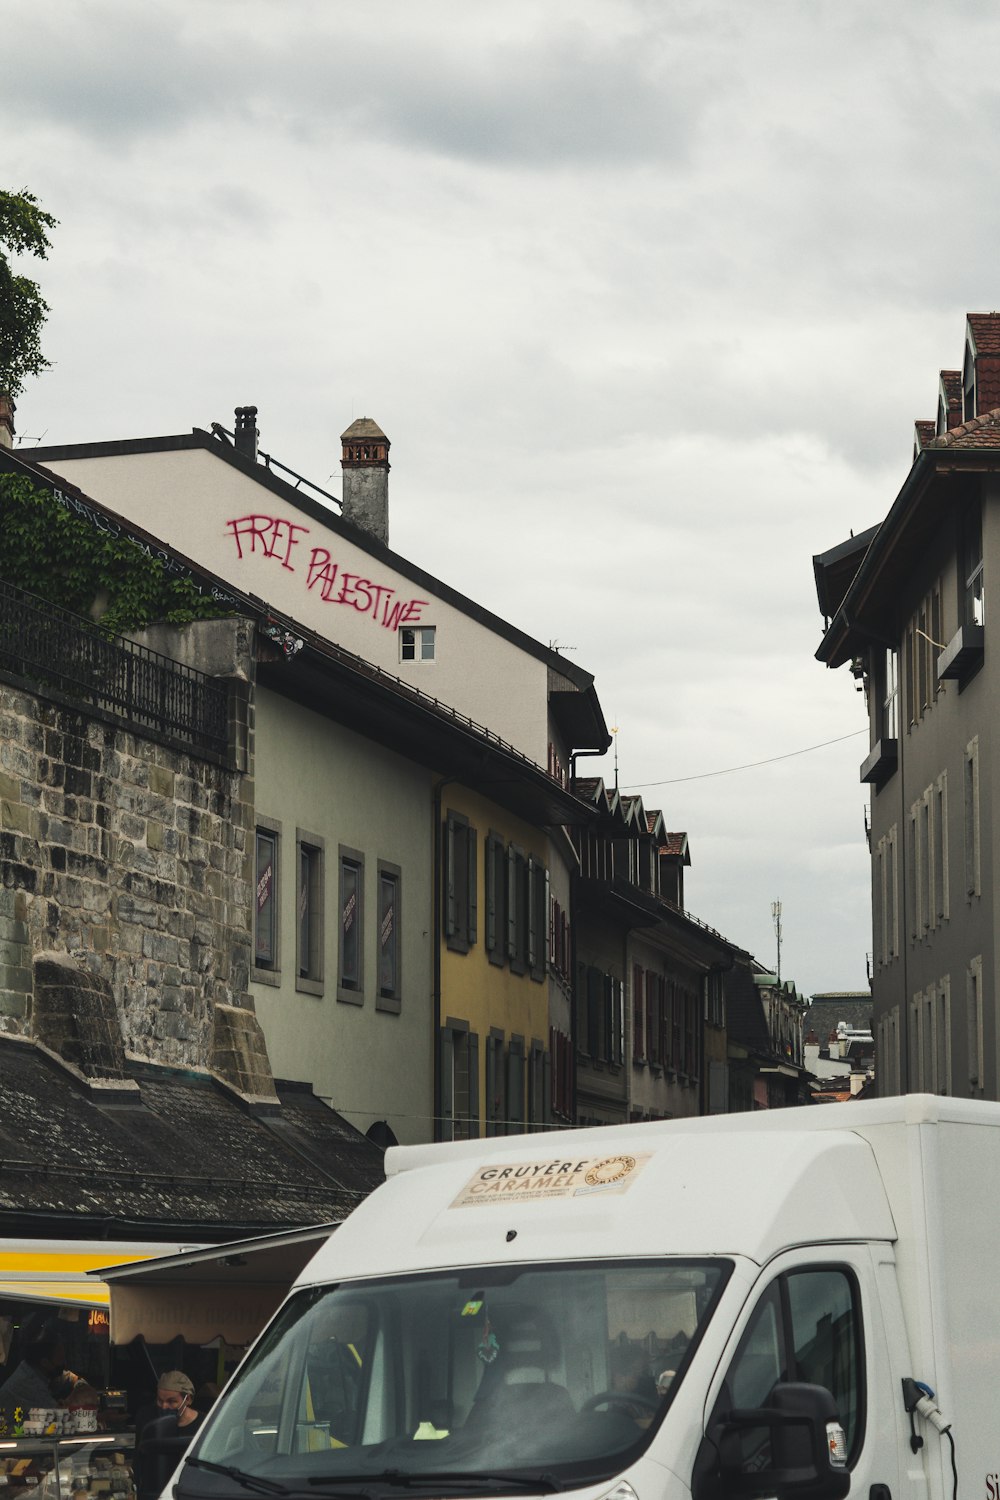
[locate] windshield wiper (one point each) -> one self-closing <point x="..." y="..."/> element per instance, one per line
<point x="248" y="1481"/>
<point x="469" y="1481"/>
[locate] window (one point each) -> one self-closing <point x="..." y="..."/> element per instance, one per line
<point x="715" y="998"/>
<point x="942" y="1036"/>
<point x="654" y="1021"/>
<point x="309" y="913"/>
<point x="939" y="827"/>
<point x="889" y="728"/>
<point x="974" y="1011"/>
<point x="974" y="604"/>
<point x="923" y="646"/>
<point x="265" y="953"/>
<point x="350" y="984"/>
<point x="460" y="903"/>
<point x="538" y="1086"/>
<point x="538" y="906"/>
<point x="561" y="1053"/>
<point x="517" y="909"/>
<point x="417" y="642"/>
<point x="969" y="385"/>
<point x="389" y="931"/>
<point x="496" y="1084"/>
<point x="459" y="1082"/>
<point x="638" y="1015"/>
<point x="806" y="1327"/>
<point x="972" y="858"/>
<point x="495" y="873"/>
<point x="515" y="1085"/>
<point x="885" y="909"/>
<point x="559" y="945"/>
<point x="887" y="1053"/>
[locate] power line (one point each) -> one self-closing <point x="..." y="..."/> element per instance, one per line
<point x="750" y="764"/>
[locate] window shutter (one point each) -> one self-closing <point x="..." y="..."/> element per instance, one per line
<point x="547" y="1087"/>
<point x="511" y="902"/>
<point x="533" y="933"/>
<point x="474" y="1128"/>
<point x="490" y="882"/>
<point x="446" y="1125"/>
<point x="450" y="903"/>
<point x="472" y="872"/>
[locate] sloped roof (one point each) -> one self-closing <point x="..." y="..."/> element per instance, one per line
<point x="676" y="843"/>
<point x="985" y="331"/>
<point x="951" y="382"/>
<point x="177" y="1154"/>
<point x="364" y="427"/>
<point x="977" y="432"/>
<point x="924" y="433"/>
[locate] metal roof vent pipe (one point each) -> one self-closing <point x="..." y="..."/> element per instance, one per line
<point x="245" y="435"/>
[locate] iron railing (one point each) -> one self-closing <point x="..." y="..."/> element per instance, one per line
<point x="65" y="656"/>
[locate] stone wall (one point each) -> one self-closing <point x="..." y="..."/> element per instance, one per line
<point x="135" y="860"/>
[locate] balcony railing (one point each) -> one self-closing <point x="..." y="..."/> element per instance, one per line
<point x="65" y="656"/>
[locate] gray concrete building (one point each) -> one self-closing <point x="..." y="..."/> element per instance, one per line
<point x="904" y="608"/>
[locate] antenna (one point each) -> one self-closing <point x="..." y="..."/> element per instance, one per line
<point x="614" y="732"/>
<point x="776" y="918"/>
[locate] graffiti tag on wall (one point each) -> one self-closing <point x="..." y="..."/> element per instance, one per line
<point x="276" y="538"/>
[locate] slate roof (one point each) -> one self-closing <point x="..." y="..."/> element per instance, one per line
<point x="178" y="1155"/>
<point x="978" y="432"/>
<point x="745" y="1020"/>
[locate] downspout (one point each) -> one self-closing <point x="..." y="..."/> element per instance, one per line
<point x="436" y="864"/>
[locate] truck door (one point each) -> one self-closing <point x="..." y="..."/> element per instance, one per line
<point x="816" y="1319"/>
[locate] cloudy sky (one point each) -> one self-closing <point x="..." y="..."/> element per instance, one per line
<point x="646" y="293"/>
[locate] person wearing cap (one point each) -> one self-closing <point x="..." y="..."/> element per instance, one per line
<point x="163" y="1440"/>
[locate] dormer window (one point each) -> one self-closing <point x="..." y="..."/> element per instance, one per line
<point x="969" y="385"/>
<point x="941" y="425"/>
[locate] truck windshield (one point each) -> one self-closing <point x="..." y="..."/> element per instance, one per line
<point x="488" y="1380"/>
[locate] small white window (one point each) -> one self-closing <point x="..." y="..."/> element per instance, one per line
<point x="416" y="643"/>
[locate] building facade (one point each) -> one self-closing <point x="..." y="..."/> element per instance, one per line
<point x="905" y="609"/>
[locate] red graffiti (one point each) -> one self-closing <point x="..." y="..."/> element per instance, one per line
<point x="275" y="537"/>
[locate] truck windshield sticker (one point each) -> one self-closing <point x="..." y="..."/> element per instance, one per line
<point x="575" y="1177"/>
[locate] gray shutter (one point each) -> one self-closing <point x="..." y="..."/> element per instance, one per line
<point x="475" y="1129"/>
<point x="446" y="1126"/>
<point x="472" y="872"/>
<point x="533" y="933"/>
<point x="490" y="884"/>
<point x="450" y="904"/>
<point x="511" y="902"/>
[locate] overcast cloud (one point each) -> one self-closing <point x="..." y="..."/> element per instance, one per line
<point x="647" y="295"/>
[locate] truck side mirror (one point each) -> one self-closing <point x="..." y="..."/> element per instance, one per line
<point x="793" y="1448"/>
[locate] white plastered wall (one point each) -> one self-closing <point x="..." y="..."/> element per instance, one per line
<point x="314" y="775"/>
<point x="201" y="506"/>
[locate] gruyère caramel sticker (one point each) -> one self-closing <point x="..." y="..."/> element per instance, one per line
<point x="554" y="1177"/>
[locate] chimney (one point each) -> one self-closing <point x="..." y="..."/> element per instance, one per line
<point x="365" y="462"/>
<point x="245" y="435"/>
<point x="6" y="420"/>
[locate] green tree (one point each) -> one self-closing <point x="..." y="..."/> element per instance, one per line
<point x="23" y="231"/>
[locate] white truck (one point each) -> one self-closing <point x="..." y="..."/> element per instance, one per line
<point x="799" y="1303"/>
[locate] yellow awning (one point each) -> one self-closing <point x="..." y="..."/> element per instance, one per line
<point x="83" y="1292"/>
<point x="53" y="1273"/>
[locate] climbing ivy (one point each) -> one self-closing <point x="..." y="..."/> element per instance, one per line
<point x="49" y="551"/>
